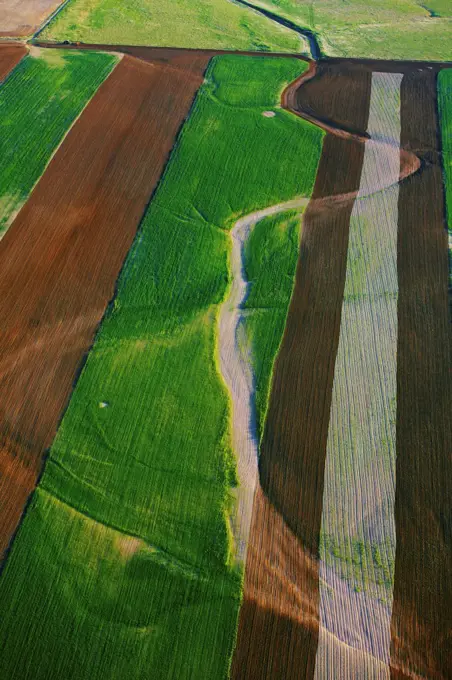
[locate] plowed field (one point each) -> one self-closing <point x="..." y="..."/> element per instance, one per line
<point x="91" y="199"/>
<point x="10" y="55"/>
<point x="421" y="620"/>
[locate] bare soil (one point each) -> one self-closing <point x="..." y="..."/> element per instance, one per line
<point x="21" y="18"/>
<point x="10" y="56"/>
<point x="422" y="619"/>
<point x="62" y="255"/>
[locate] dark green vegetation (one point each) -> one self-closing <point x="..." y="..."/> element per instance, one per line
<point x="38" y="103"/>
<point x="445" y="111"/>
<point x="271" y="258"/>
<point x="123" y="566"/>
<point x="219" y="24"/>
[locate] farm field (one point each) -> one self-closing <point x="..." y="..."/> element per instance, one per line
<point x="154" y="553"/>
<point x="225" y="340"/>
<point x="52" y="324"/>
<point x="401" y="29"/>
<point x="38" y="104"/>
<point x="10" y="56"/>
<point x="21" y="18"/>
<point x="214" y="24"/>
<point x="445" y="111"/>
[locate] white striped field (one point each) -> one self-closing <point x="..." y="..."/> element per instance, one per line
<point x="358" y="530"/>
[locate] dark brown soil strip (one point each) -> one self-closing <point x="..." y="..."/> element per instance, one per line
<point x="422" y="610"/>
<point x="61" y="257"/>
<point x="163" y="54"/>
<point x="10" y="56"/>
<point x="279" y="618"/>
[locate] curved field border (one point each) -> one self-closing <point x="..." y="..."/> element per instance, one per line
<point x="279" y="619"/>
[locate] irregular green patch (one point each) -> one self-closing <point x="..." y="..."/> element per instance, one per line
<point x="216" y="24"/>
<point x="445" y="113"/>
<point x="126" y="551"/>
<point x="271" y="256"/>
<point x="38" y="103"/>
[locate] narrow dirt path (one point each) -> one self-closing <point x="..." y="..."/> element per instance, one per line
<point x="236" y="369"/>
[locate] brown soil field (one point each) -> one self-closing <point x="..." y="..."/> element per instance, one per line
<point x="10" y="55"/>
<point x="422" y="610"/>
<point x="279" y="618"/>
<point x="62" y="255"/>
<point x="23" y="17"/>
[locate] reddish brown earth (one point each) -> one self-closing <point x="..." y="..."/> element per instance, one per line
<point x="279" y="618"/>
<point x="61" y="257"/>
<point x="10" y="55"/>
<point x="422" y="609"/>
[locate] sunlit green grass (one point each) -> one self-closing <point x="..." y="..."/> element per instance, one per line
<point x="382" y="29"/>
<point x="38" y="103"/>
<point x="217" y="24"/>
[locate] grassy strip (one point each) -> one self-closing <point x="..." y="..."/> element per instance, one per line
<point x="38" y="104"/>
<point x="219" y="24"/>
<point x="125" y="553"/>
<point x="445" y="113"/>
<point x="271" y="256"/>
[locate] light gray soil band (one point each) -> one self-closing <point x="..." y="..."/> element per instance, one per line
<point x="358" y="527"/>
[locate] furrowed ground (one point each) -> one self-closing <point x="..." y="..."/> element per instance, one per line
<point x="10" y="56"/>
<point x="38" y="104"/>
<point x="216" y="24"/>
<point x="138" y="482"/>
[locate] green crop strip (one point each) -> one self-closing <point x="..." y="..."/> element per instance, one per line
<point x="271" y="256"/>
<point x="445" y="113"/>
<point x="123" y="565"/>
<point x="38" y="103"/>
<point x="216" y="24"/>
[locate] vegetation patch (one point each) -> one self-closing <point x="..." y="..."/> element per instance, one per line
<point x="391" y="29"/>
<point x="271" y="257"/>
<point x="38" y="103"/>
<point x="219" y="24"/>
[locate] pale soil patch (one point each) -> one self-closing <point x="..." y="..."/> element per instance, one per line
<point x="359" y="487"/>
<point x="236" y="369"/>
<point x="23" y="17"/>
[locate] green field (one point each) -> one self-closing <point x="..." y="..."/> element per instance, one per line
<point x="389" y="29"/>
<point x="218" y="24"/>
<point x="271" y="256"/>
<point x="38" y="103"/>
<point x="383" y="29"/>
<point x="124" y="565"/>
<point x="445" y="112"/>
